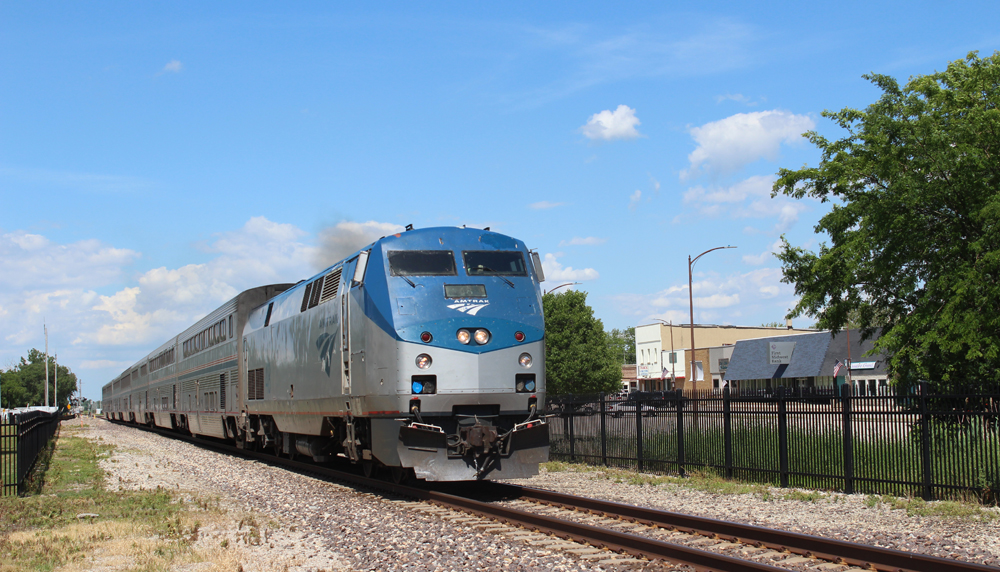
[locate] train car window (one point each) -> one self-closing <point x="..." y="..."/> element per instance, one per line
<point x="465" y="291"/>
<point x="230" y="325"/>
<point x="422" y="263"/>
<point x="267" y="320"/>
<point x="494" y="263"/>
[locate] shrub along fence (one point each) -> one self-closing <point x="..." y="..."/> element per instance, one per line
<point x="921" y="445"/>
<point x="23" y="435"/>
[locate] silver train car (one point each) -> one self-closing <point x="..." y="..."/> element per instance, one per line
<point x="422" y="353"/>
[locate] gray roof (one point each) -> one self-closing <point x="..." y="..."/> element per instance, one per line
<point x="814" y="356"/>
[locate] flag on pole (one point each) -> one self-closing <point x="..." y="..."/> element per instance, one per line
<point x="837" y="366"/>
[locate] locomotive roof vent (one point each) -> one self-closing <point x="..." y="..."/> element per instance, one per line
<point x="409" y="227"/>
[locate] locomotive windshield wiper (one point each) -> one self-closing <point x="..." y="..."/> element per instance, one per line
<point x="408" y="281"/>
<point x="498" y="275"/>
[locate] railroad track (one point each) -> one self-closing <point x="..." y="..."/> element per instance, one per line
<point x="617" y="534"/>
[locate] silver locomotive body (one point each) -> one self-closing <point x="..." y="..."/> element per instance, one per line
<point x="424" y="352"/>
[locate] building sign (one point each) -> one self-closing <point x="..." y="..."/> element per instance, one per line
<point x="863" y="364"/>
<point x="643" y="371"/>
<point x="781" y="352"/>
<point x="723" y="364"/>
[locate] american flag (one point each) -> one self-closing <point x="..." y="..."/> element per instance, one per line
<point x="837" y="367"/>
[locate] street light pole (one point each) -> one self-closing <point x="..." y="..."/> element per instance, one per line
<point x="560" y="286"/>
<point x="691" y="262"/>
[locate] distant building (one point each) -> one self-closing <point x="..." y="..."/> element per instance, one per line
<point x="663" y="358"/>
<point x="629" y="381"/>
<point x="808" y="360"/>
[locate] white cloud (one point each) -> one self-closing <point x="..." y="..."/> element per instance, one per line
<point x="749" y="198"/>
<point x="718" y="299"/>
<point x="173" y="66"/>
<point x="738" y="97"/>
<point x="578" y="241"/>
<point x="104" y="364"/>
<point x="633" y="199"/>
<point x="610" y="125"/>
<point x="541" y="205"/>
<point x="345" y="238"/>
<point x="555" y="271"/>
<point x="763" y="257"/>
<point x="729" y="144"/>
<point x="33" y="261"/>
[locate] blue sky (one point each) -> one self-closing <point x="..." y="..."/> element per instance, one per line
<point x="157" y="158"/>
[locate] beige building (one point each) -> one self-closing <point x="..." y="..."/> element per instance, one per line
<point x="663" y="358"/>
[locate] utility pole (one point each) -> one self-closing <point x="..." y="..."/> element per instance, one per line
<point x="55" y="383"/>
<point x="46" y="328"/>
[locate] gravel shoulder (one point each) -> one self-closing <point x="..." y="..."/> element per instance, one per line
<point x="278" y="520"/>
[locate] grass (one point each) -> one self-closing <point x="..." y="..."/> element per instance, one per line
<point x="963" y="459"/>
<point x="707" y="481"/>
<point x="75" y="522"/>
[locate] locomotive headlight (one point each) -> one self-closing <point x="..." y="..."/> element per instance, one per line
<point x="529" y="386"/>
<point x="519" y="386"/>
<point x="524" y="360"/>
<point x="482" y="336"/>
<point x="423" y="361"/>
<point x="463" y="336"/>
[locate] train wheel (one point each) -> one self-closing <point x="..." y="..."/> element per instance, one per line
<point x="368" y="468"/>
<point x="402" y="475"/>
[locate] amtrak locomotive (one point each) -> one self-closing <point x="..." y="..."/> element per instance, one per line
<point x="423" y="353"/>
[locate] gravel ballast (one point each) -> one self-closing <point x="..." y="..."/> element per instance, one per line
<point x="316" y="525"/>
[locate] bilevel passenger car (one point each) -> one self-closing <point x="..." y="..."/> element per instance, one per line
<point x="422" y="352"/>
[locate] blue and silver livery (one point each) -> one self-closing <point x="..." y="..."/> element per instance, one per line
<point x="422" y="353"/>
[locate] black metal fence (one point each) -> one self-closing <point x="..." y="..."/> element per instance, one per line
<point x="922" y="445"/>
<point x="23" y="435"/>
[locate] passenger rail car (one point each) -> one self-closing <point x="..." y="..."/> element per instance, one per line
<point x="423" y="352"/>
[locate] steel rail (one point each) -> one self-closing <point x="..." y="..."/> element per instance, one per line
<point x="861" y="555"/>
<point x="612" y="540"/>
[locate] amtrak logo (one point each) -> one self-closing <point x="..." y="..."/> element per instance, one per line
<point x="470" y="306"/>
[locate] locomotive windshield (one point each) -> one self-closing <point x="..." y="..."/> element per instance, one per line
<point x="494" y="263"/>
<point x="422" y="263"/>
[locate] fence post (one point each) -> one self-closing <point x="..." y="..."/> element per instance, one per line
<point x="680" y="432"/>
<point x="782" y="436"/>
<point x="727" y="431"/>
<point x="847" y="423"/>
<point x="604" y="431"/>
<point x="925" y="438"/>
<point x="572" y="436"/>
<point x="639" y="402"/>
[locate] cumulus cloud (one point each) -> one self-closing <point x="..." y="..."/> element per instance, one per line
<point x="610" y="125"/>
<point x="100" y="314"/>
<point x="555" y="271"/>
<point x="344" y="238"/>
<point x="32" y="260"/>
<point x="104" y="364"/>
<point x="633" y="199"/>
<point x="173" y="66"/>
<point x="578" y="241"/>
<point x="542" y="205"/>
<point x="749" y="198"/>
<point x="718" y="299"/>
<point x="763" y="257"/>
<point x="729" y="144"/>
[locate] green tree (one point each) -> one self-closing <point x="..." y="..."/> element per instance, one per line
<point x="623" y="344"/>
<point x="12" y="393"/>
<point x="578" y="357"/>
<point x="27" y="382"/>
<point x="914" y="225"/>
